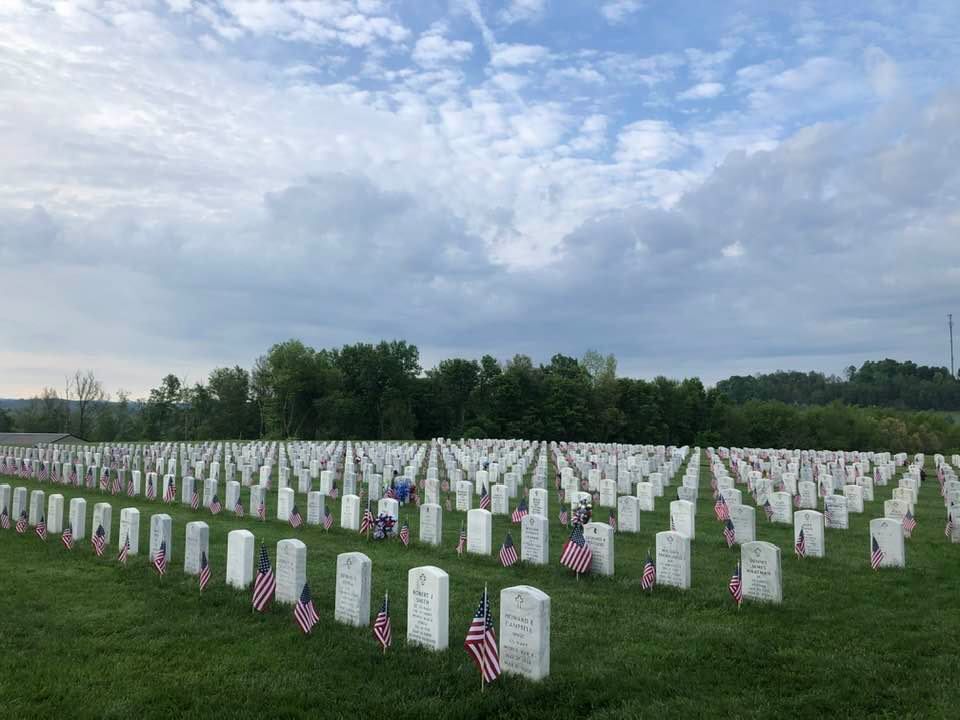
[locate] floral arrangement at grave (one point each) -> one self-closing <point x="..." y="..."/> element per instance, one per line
<point x="383" y="526"/>
<point x="582" y="513"/>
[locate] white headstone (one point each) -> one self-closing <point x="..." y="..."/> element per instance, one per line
<point x="683" y="518"/>
<point x="608" y="493"/>
<point x="197" y="541"/>
<point x="389" y="506"/>
<point x="350" y="512"/>
<point x="599" y="537"/>
<point x="854" y="495"/>
<point x="760" y="567"/>
<point x="500" y="500"/>
<point x="78" y="518"/>
<point x="673" y="559"/>
<point x="258" y="496"/>
<point x="19" y="503"/>
<point x="285" y="501"/>
<point x="54" y="513"/>
<point x="102" y="515"/>
<point x="37" y="502"/>
<point x="888" y="534"/>
<point x="352" y="605"/>
<point x="835" y="512"/>
<point x="744" y="519"/>
<point x="431" y="524"/>
<point x="291" y="570"/>
<point x="538" y="502"/>
<point x="464" y="495"/>
<point x="479" y="528"/>
<point x="535" y="539"/>
<point x="129" y="530"/>
<point x="240" y="558"/>
<point x="628" y="514"/>
<point x="233" y="494"/>
<point x="782" y="504"/>
<point x="525" y="632"/>
<point x="428" y="607"/>
<point x="646" y="496"/>
<point x="161" y="530"/>
<point x="811" y="522"/>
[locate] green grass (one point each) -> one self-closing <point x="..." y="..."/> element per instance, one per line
<point x="84" y="637"/>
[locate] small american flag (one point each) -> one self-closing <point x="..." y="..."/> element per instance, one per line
<point x="170" y="493"/>
<point x="41" y="529"/>
<point x="265" y="583"/>
<point x="462" y="541"/>
<point x="367" y="522"/>
<point x="105" y="479"/>
<point x="98" y="540"/>
<point x="729" y="532"/>
<point x="117" y="486"/>
<point x="238" y="507"/>
<point x="448" y="505"/>
<point x="796" y="500"/>
<point x="67" y="538"/>
<point x="768" y="509"/>
<point x="304" y="612"/>
<point x="5" y="519"/>
<point x="204" y="571"/>
<point x="151" y="492"/>
<point x="876" y="557"/>
<point x="334" y="493"/>
<point x="391" y="493"/>
<point x="736" y="586"/>
<point x="21" y="526"/>
<point x="295" y="519"/>
<point x="405" y="533"/>
<point x="131" y="490"/>
<point x="481" y="641"/>
<point x="195" y="498"/>
<point x="576" y="554"/>
<point x="521" y="512"/>
<point x="381" y="626"/>
<point x="800" y="547"/>
<point x="124" y="551"/>
<point x="612" y="520"/>
<point x="508" y="553"/>
<point x="262" y="510"/>
<point x="720" y="509"/>
<point x="909" y="523"/>
<point x="948" y="530"/>
<point x="160" y="559"/>
<point x="215" y="506"/>
<point x="327" y="518"/>
<point x="564" y="515"/>
<point x="649" y="577"/>
<point x="484" y="499"/>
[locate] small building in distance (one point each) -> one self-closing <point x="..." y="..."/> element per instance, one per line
<point x="35" y="439"/>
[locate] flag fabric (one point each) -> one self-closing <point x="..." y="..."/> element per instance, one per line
<point x="124" y="551"/>
<point x="41" y="529"/>
<point x="105" y="479"/>
<point x="768" y="509"/>
<point x="160" y="559"/>
<point x="367" y="522"/>
<point x="649" y="577"/>
<point x="484" y="499"/>
<point x="521" y="512"/>
<point x="98" y="540"/>
<point x="948" y="530"/>
<point x="204" y="571"/>
<point x="736" y="586"/>
<point x="117" y="486"/>
<point x="262" y="510"/>
<point x="448" y="505"/>
<point x="304" y="612"/>
<point x="800" y="547"/>
<point x="151" y="492"/>
<point x="796" y="500"/>
<point x="215" y="506"/>
<point x="564" y="515"/>
<point x="195" y="498"/>
<point x="131" y="490"/>
<point x="508" y="552"/>
<point x="720" y="509"/>
<point x="381" y="626"/>
<point x="481" y="641"/>
<point x="170" y="492"/>
<point x="265" y="583"/>
<point x="334" y="493"/>
<point x="909" y="523"/>
<point x="462" y="541"/>
<point x="876" y="556"/>
<point x="238" y="507"/>
<point x="729" y="532"/>
<point x="5" y="518"/>
<point x="576" y="554"/>
<point x="391" y="493"/>
<point x="405" y="533"/>
<point x="327" y="518"/>
<point x="295" y="519"/>
<point x="612" y="520"/>
<point x="21" y="526"/>
<point x="67" y="538"/>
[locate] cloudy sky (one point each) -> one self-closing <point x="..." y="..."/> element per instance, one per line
<point x="698" y="187"/>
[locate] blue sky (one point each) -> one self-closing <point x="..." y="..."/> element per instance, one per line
<point x="697" y="187"/>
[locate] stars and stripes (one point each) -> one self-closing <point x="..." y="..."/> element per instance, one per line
<point x="508" y="552"/>
<point x="768" y="509"/>
<point x="195" y="498"/>
<point x="367" y="522"/>
<point x="238" y="507"/>
<point x="564" y="515"/>
<point x="262" y="510"/>
<point x="304" y="613"/>
<point x="381" y="626"/>
<point x="124" y="551"/>
<point x="21" y="526"/>
<point x="876" y="555"/>
<point x="484" y="498"/>
<point x="41" y="528"/>
<point x="729" y="532"/>
<point x="612" y="520"/>
<point x="909" y="524"/>
<point x="5" y="519"/>
<point x="521" y="512"/>
<point x="151" y="490"/>
<point x="170" y="491"/>
<point x="481" y="641"/>
<point x="405" y="533"/>
<point x="462" y="541"/>
<point x="215" y="506"/>
<point x="131" y="490"/>
<point x="327" y="518"/>
<point x="649" y="578"/>
<point x="117" y="485"/>
<point x="800" y="546"/>
<point x="105" y="479"/>
<point x="948" y="530"/>
<point x="735" y="586"/>
<point x="334" y="493"/>
<point x="265" y="583"/>
<point x="796" y="500"/>
<point x="576" y="554"/>
<point x="98" y="540"/>
<point x="204" y="577"/>
<point x="67" y="538"/>
<point x="720" y="509"/>
<point x="160" y="559"/>
<point x="296" y="520"/>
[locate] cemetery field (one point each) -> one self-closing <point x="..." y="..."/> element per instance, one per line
<point x="83" y="636"/>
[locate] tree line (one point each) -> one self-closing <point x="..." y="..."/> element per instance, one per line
<point x="380" y="391"/>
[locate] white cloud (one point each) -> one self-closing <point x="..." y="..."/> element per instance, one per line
<point x="522" y="11"/>
<point x="434" y="49"/>
<point x="702" y="91"/>
<point x="513" y="55"/>
<point x="616" y="11"/>
<point x="649" y="143"/>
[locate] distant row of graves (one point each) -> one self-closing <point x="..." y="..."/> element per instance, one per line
<point x="599" y="491"/>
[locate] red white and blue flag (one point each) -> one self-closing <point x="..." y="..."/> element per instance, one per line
<point x="481" y="641"/>
<point x="508" y="552"/>
<point x="304" y="613"/>
<point x="649" y="577"/>
<point x="576" y="554"/>
<point x="265" y="583"/>
<point x="381" y="626"/>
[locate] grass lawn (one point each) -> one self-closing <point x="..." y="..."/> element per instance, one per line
<point x="84" y="637"/>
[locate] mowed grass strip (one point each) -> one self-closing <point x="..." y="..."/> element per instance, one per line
<point x="85" y="637"/>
